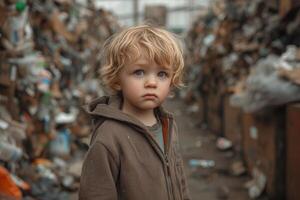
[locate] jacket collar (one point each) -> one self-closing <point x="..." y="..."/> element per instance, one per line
<point x="109" y="107"/>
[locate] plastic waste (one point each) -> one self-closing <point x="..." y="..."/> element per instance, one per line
<point x="19" y="182"/>
<point x="66" y="118"/>
<point x="202" y="163"/>
<point x="223" y="143"/>
<point x="3" y="124"/>
<point x="257" y="185"/>
<point x="9" y="152"/>
<point x="46" y="172"/>
<point x="61" y="145"/>
<point x="21" y="5"/>
<point x="264" y="87"/>
<point x="7" y="185"/>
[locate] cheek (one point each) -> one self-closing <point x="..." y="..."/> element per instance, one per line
<point x="166" y="89"/>
<point x="131" y="87"/>
<point x="132" y="84"/>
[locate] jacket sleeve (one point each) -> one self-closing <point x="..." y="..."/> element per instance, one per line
<point x="99" y="175"/>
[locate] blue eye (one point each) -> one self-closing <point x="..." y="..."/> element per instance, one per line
<point x="139" y="72"/>
<point x="162" y="74"/>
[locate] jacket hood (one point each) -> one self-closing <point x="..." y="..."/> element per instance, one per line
<point x="109" y="107"/>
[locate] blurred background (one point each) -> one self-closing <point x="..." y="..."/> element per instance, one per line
<point x="238" y="116"/>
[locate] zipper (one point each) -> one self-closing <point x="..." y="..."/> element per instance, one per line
<point x="170" y="127"/>
<point x="164" y="158"/>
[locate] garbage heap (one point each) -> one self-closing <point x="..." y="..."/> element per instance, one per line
<point x="243" y="69"/>
<point x="246" y="50"/>
<point x="49" y="58"/>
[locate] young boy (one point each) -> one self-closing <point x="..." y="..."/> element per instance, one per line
<point x="133" y="153"/>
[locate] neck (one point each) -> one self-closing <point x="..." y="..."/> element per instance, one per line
<point x="147" y="117"/>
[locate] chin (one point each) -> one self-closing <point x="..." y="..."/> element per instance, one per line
<point x="149" y="106"/>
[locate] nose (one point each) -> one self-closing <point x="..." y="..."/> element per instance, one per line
<point x="151" y="81"/>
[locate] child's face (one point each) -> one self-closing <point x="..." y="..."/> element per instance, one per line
<point x="144" y="85"/>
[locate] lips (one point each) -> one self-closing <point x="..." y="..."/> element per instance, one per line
<point x="150" y="96"/>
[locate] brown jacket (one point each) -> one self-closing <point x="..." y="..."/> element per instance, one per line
<point x="125" y="163"/>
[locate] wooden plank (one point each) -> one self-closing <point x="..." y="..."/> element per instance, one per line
<point x="263" y="148"/>
<point x="292" y="152"/>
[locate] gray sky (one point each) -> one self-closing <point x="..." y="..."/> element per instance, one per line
<point x="178" y="19"/>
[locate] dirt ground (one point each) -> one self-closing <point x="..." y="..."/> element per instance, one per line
<point x="197" y="143"/>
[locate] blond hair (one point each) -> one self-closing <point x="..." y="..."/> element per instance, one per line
<point x="160" y="46"/>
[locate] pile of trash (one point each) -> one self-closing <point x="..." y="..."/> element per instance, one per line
<point x="247" y="52"/>
<point x="246" y="48"/>
<point x="273" y="81"/>
<point x="49" y="60"/>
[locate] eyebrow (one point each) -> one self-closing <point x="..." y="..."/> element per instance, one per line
<point x="142" y="64"/>
<point x="145" y="64"/>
